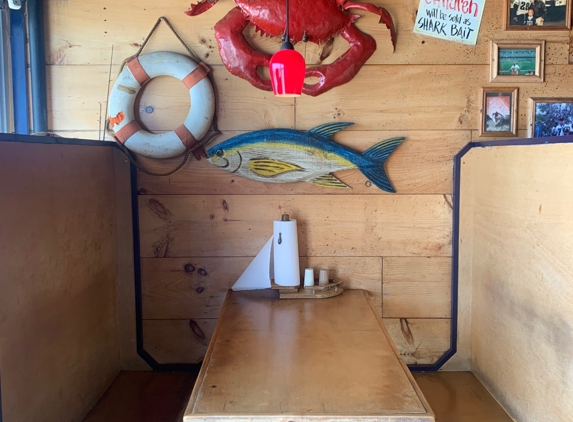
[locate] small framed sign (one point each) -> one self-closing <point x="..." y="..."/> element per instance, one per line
<point x="524" y="15"/>
<point x="517" y="61"/>
<point x="550" y="117"/>
<point x="498" y="113"/>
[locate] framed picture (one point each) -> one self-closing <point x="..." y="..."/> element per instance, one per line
<point x="498" y="113"/>
<point x="538" y="15"/>
<point x="517" y="61"/>
<point x="550" y="117"/>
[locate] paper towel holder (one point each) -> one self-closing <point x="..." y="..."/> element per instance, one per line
<point x="284" y="217"/>
<point x="333" y="288"/>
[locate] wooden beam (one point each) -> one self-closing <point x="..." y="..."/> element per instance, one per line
<point x="417" y="287"/>
<point x="171" y="226"/>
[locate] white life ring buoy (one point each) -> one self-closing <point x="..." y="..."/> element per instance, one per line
<point x="136" y="73"/>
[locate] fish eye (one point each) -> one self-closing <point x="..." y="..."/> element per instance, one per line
<point x="220" y="153"/>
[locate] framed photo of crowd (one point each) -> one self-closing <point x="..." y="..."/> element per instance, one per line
<point x="550" y="117"/>
<point x="524" y="15"/>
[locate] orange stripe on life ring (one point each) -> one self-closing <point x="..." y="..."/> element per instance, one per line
<point x="189" y="141"/>
<point x="127" y="131"/>
<point x="138" y="71"/>
<point x="196" y="75"/>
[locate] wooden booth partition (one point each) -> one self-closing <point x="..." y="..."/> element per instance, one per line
<point x="200" y="227"/>
<point x="517" y="240"/>
<point x="65" y="263"/>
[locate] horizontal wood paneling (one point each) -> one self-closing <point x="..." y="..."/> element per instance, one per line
<point x="82" y="34"/>
<point x="99" y="25"/>
<point x="417" y="287"/>
<point x="443" y="97"/>
<point x="178" y="340"/>
<point x="440" y="98"/>
<point x="173" y="291"/>
<point x="176" y="288"/>
<point x="437" y="97"/>
<point x="78" y="91"/>
<point x="427" y="90"/>
<point x="175" y="340"/>
<point x="214" y="225"/>
<point x="419" y="341"/>
<point x="422" y="164"/>
<point x="77" y="97"/>
<point x="356" y="272"/>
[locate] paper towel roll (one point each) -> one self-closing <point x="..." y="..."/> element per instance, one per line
<point x="285" y="253"/>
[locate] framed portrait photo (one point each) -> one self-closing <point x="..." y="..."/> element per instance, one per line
<point x="517" y="61"/>
<point x="498" y="113"/>
<point x="550" y="117"/>
<point x="537" y="15"/>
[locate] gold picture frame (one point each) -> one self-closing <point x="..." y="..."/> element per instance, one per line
<point x="517" y="61"/>
<point x="498" y="112"/>
<point x="552" y="15"/>
<point x="550" y="117"/>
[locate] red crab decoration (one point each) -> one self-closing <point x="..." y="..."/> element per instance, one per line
<point x="315" y="21"/>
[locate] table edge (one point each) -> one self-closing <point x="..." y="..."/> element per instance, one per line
<point x="429" y="416"/>
<point x="409" y="375"/>
<point x="406" y="417"/>
<point x="208" y="354"/>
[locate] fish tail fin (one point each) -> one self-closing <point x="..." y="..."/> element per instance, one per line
<point x="378" y="154"/>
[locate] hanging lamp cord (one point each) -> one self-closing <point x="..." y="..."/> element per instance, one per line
<point x="287" y="45"/>
<point x="215" y="129"/>
<point x="287" y="37"/>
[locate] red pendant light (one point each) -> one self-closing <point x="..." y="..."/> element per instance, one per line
<point x="287" y="67"/>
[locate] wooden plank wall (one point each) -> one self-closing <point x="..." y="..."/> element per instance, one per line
<point x="201" y="226"/>
<point x="522" y="312"/>
<point x="59" y="330"/>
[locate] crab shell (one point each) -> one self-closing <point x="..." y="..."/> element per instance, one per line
<point x="315" y="21"/>
<point x="319" y="19"/>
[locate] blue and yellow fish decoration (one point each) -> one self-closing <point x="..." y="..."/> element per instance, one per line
<point x="287" y="155"/>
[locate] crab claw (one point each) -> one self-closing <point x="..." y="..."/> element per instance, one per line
<point x="343" y="69"/>
<point x="385" y="17"/>
<point x="238" y="56"/>
<point x="202" y="6"/>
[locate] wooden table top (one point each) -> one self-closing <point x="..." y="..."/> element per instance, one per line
<point x="286" y="360"/>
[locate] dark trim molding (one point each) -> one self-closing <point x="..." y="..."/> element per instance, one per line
<point x="42" y="139"/>
<point x="156" y="366"/>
